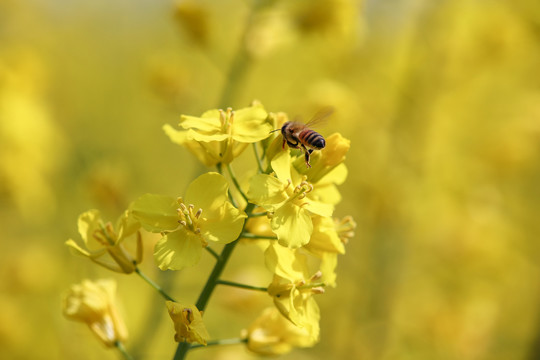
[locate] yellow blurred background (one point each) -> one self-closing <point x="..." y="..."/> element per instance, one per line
<point x="441" y="100"/>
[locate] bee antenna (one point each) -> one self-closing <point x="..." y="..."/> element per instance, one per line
<point x="274" y="131"/>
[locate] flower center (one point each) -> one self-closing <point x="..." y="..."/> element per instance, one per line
<point x="312" y="285"/>
<point x="188" y="218"/>
<point x="345" y="228"/>
<point x="105" y="235"/>
<point x="226" y="117"/>
<point x="300" y="191"/>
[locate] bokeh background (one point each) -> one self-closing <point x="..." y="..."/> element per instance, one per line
<point x="441" y="100"/>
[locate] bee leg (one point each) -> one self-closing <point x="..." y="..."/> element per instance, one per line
<point x="293" y="146"/>
<point x="307" y="152"/>
<point x="284" y="141"/>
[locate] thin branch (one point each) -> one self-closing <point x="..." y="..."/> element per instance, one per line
<point x="259" y="163"/>
<point x="243" y="286"/>
<point x="153" y="284"/>
<point x="211" y="251"/>
<point x="235" y="182"/>
<point x="254" y="236"/>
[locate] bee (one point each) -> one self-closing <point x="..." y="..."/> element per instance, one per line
<point x="298" y="135"/>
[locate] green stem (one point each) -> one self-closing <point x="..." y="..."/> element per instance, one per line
<point x="219" y="167"/>
<point x="232" y="341"/>
<point x="211" y="251"/>
<point x="154" y="315"/>
<point x="243" y="286"/>
<point x="153" y="284"/>
<point x="120" y="346"/>
<point x="235" y="182"/>
<point x="211" y="283"/>
<point x="259" y="163"/>
<point x="253" y="236"/>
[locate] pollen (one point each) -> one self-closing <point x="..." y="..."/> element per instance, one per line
<point x="189" y="218"/>
<point x="106" y="235"/>
<point x="226" y="118"/>
<point x="345" y="228"/>
<point x="301" y="190"/>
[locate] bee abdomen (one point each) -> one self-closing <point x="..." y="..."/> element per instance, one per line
<point x="312" y="139"/>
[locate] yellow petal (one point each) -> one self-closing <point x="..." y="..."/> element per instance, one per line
<point x="285" y="262"/>
<point x="206" y="152"/>
<point x="205" y="137"/>
<point x="317" y="207"/>
<point x="156" y="213"/>
<point x="92" y="302"/>
<point x="178" y="250"/>
<point x="250" y="125"/>
<point x="209" y="122"/>
<point x="266" y="191"/>
<point x="281" y="164"/>
<point x="272" y="334"/>
<point x="88" y="222"/>
<point x="325" y="237"/>
<point x="127" y="225"/>
<point x="328" y="268"/>
<point x="226" y="227"/>
<point x="188" y="323"/>
<point x="208" y="192"/>
<point x="78" y="250"/>
<point x="292" y="224"/>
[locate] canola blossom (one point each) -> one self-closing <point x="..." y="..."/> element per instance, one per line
<point x="292" y="288"/>
<point x="93" y="303"/>
<point x="271" y="334"/>
<point x="204" y="216"/>
<point x="104" y="245"/>
<point x="290" y="199"/>
<point x="219" y="136"/>
<point x="287" y="211"/>
<point x="188" y="323"/>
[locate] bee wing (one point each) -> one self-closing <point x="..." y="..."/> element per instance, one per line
<point x="320" y="116"/>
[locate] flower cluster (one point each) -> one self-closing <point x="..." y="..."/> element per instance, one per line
<point x="285" y="207"/>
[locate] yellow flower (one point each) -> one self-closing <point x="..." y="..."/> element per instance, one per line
<point x="272" y="334"/>
<point x="186" y="230"/>
<point x="327" y="168"/>
<point x="291" y="200"/>
<point x="188" y="323"/>
<point x="103" y="244"/>
<point x="327" y="241"/>
<point x="92" y="302"/>
<point x="219" y="136"/>
<point x="292" y="288"/>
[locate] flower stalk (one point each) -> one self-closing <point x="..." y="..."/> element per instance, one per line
<point x="120" y="346"/>
<point x="232" y="341"/>
<point x="242" y="286"/>
<point x="153" y="284"/>
<point x="211" y="284"/>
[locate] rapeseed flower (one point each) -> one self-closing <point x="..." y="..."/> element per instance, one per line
<point x="188" y="323"/>
<point x="291" y="201"/>
<point x="93" y="302"/>
<point x="104" y="245"/>
<point x="327" y="168"/>
<point x="272" y="334"/>
<point x="219" y="136"/>
<point x="292" y="288"/>
<point x="186" y="230"/>
<point x="327" y="241"/>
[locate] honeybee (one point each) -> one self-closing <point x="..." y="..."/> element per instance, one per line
<point x="298" y="135"/>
